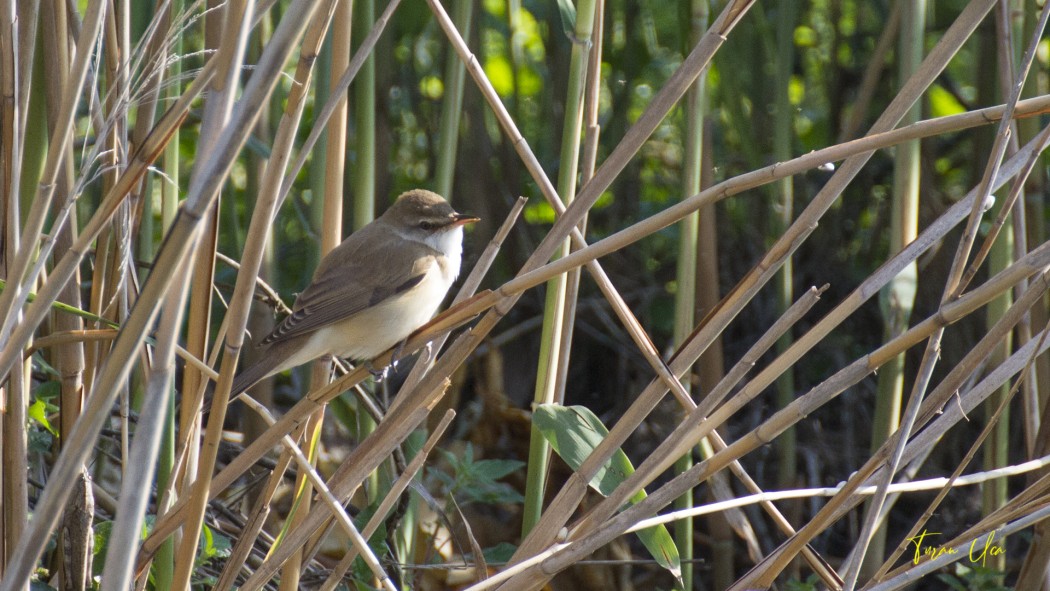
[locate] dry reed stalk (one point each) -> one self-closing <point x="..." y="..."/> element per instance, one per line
<point x="616" y="241"/>
<point x="400" y="421"/>
<point x="67" y="267"/>
<point x="14" y="511"/>
<point x="950" y="415"/>
<point x="500" y="300"/>
<point x="252" y="531"/>
<point x="14" y="297"/>
<point x="137" y="484"/>
<point x="180" y="241"/>
<point x="960" y="547"/>
<point x="600" y="518"/>
<point x="314" y="27"/>
<point x="338" y="89"/>
<point x="929" y="484"/>
<point x="331" y="233"/>
<point x="226" y="32"/>
<point x="806" y="222"/>
<point x="947" y="416"/>
<point x="673" y="90"/>
<point x="358" y="465"/>
<point x="956" y="474"/>
<point x="733" y="377"/>
<point x="251" y="454"/>
<point x="359" y="542"/>
<point x="316" y="399"/>
<point x="953" y="287"/>
<point x="391" y="497"/>
<point x="564" y="554"/>
<point x="996" y="334"/>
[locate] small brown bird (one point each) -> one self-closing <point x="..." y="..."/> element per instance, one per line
<point x="370" y="292"/>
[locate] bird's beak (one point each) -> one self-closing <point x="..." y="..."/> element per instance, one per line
<point x="462" y="219"/>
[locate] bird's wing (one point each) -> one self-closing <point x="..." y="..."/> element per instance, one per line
<point x="341" y="290"/>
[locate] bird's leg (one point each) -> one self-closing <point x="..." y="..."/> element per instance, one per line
<point x="395" y="357"/>
<point x="398" y="351"/>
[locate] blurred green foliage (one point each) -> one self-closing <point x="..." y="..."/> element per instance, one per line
<point x="524" y="51"/>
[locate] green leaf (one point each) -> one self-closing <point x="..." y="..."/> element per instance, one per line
<point x="574" y="432"/>
<point x="495" y="469"/>
<point x="100" y="546"/>
<point x="212" y="546"/>
<point x="38" y="413"/>
<point x="70" y="309"/>
<point x="48" y="391"/>
<point x="477" y="481"/>
<point x="568" y="17"/>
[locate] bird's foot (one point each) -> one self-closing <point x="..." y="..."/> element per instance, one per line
<point x="378" y="374"/>
<point x="395" y="358"/>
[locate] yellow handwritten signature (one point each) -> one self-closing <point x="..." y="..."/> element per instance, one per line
<point x="978" y="552"/>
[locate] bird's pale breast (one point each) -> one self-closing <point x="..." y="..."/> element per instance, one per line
<point x="372" y="331"/>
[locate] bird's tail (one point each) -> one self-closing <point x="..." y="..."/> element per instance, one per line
<point x="267" y="364"/>
<point x="251" y="376"/>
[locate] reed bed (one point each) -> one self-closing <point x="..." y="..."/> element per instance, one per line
<point x="168" y="169"/>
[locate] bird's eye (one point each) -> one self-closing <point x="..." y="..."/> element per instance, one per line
<point x="427" y="226"/>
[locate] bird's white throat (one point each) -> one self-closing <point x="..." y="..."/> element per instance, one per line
<point x="449" y="242"/>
